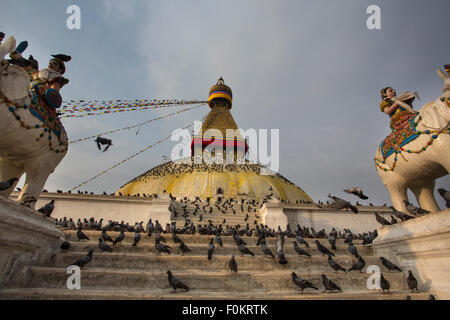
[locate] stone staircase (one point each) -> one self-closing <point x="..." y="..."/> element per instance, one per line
<point x="138" y="273"/>
<point x="217" y="216"/>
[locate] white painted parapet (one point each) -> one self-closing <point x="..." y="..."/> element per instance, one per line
<point x="273" y="216"/>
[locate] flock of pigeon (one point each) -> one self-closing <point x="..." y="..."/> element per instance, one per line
<point x="262" y="232"/>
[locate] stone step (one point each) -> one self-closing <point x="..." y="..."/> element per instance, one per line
<point x="151" y="261"/>
<point x="132" y="279"/>
<point x="228" y="248"/>
<point x="166" y="294"/>
<point x="197" y="238"/>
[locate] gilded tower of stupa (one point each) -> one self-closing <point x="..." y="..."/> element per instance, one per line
<point x="204" y="179"/>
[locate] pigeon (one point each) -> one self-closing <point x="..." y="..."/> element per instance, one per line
<point x="119" y="238"/>
<point x="160" y="247"/>
<point x="381" y="220"/>
<point x="358" y="265"/>
<point x="332" y="241"/>
<point x="413" y="209"/>
<point x="412" y="282"/>
<point x="103" y="246"/>
<point x="101" y="141"/>
<point x="219" y="240"/>
<point x="393" y="220"/>
<point x="336" y="266"/>
<point x="300" y="240"/>
<point x="389" y="265"/>
<point x="281" y="258"/>
<point x="62" y="57"/>
<point x="106" y="237"/>
<point x="352" y="249"/>
<point x="85" y="260"/>
<point x="160" y="238"/>
<point x="48" y="208"/>
<point x="184" y="248"/>
<point x="81" y="235"/>
<point x="384" y="284"/>
<point x="175" y="283"/>
<point x="266" y="249"/>
<point x="175" y="238"/>
<point x="302" y="283"/>
<point x="357" y="192"/>
<point x="244" y="250"/>
<point x="402" y="216"/>
<point x="65" y="246"/>
<point x="323" y="250"/>
<point x="136" y="238"/>
<point x="300" y="251"/>
<point x="232" y="264"/>
<point x="431" y="297"/>
<point x="329" y="285"/>
<point x="408" y="297"/>
<point x="211" y="248"/>
<point x="5" y="185"/>
<point x="446" y="195"/>
<point x="342" y="204"/>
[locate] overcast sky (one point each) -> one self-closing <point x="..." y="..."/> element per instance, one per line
<point x="309" y="68"/>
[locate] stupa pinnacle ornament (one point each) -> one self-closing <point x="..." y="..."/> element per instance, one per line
<point x="219" y="118"/>
<point x="241" y="179"/>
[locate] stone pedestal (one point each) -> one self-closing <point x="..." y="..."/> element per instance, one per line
<point x="421" y="245"/>
<point x="273" y="216"/>
<point x="26" y="237"/>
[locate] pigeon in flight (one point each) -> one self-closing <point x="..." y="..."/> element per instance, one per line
<point x="342" y="204"/>
<point x="357" y="192"/>
<point x="302" y="283"/>
<point x="389" y="265"/>
<point x="103" y="141"/>
<point x="5" y="185"/>
<point x="175" y="283"/>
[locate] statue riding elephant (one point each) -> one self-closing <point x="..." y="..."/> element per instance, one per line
<point x="419" y="155"/>
<point x="32" y="138"/>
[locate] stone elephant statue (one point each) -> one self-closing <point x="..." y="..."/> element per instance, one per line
<point x="32" y="138"/>
<point x="417" y="164"/>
